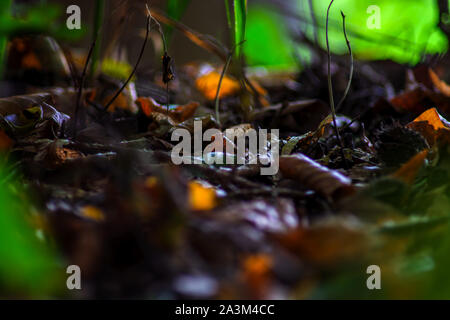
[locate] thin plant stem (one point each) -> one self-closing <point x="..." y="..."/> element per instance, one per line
<point x="135" y="66"/>
<point x="224" y="71"/>
<point x="81" y="86"/>
<point x="347" y="89"/>
<point x="98" y="22"/>
<point x="330" y="89"/>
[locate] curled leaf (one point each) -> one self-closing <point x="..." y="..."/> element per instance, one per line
<point x="312" y="175"/>
<point x="177" y="113"/>
<point x="431" y="125"/>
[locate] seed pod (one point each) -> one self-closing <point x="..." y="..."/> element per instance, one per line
<point x="167" y="68"/>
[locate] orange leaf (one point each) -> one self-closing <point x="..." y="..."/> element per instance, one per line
<point x="434" y="119"/>
<point x="408" y="171"/>
<point x="431" y="125"/>
<point x="257" y="271"/>
<point x="201" y="197"/>
<point x="208" y="83"/>
<point x="92" y="213"/>
<point x="178" y="113"/>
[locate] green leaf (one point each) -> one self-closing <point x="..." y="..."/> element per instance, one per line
<point x="28" y="267"/>
<point x="240" y="20"/>
<point x="175" y="10"/>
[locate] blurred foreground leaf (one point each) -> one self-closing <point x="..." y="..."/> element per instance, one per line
<point x="27" y="267"/>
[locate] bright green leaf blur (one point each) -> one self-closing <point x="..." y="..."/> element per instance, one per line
<point x="408" y="29"/>
<point x="28" y="269"/>
<point x="268" y="43"/>
<point x="240" y="21"/>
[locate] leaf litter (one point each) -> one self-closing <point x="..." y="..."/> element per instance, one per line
<point x="367" y="185"/>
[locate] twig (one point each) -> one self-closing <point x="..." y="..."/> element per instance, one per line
<point x="330" y="89"/>
<point x="81" y="86"/>
<point x="351" y="64"/>
<point x="135" y="67"/>
<point x="224" y="71"/>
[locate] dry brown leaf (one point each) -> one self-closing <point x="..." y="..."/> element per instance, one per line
<point x="314" y="176"/>
<point x="326" y="244"/>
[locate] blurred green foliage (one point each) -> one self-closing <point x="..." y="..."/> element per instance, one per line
<point x="39" y="19"/>
<point x="408" y="29"/>
<point x="175" y="10"/>
<point x="28" y="268"/>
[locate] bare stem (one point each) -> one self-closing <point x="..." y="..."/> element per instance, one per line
<point x="81" y="86"/>
<point x="330" y="89"/>
<point x="351" y="64"/>
<point x="135" y="67"/>
<point x="224" y="71"/>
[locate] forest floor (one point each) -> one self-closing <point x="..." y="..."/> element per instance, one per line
<point x="109" y="198"/>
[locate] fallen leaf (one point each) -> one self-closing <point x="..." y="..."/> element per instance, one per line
<point x="177" y="113"/>
<point x="330" y="242"/>
<point x="201" y="197"/>
<point x="431" y="125"/>
<point x="207" y="84"/>
<point x="257" y="273"/>
<point x="433" y="118"/>
<point x="92" y="213"/>
<point x="5" y="142"/>
<point x="312" y="175"/>
<point x="408" y="171"/>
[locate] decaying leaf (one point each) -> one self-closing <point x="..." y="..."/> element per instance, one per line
<point x="312" y="175"/>
<point x="257" y="271"/>
<point x="207" y="84"/>
<point x="21" y="114"/>
<point x="332" y="241"/>
<point x="92" y="213"/>
<point x="408" y="171"/>
<point x="177" y="113"/>
<point x="431" y="125"/>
